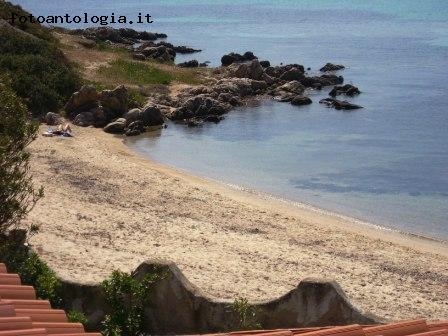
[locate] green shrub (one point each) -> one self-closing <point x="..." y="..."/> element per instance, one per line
<point x="246" y="315"/>
<point x="17" y="193"/>
<point x="38" y="71"/>
<point x="75" y="316"/>
<point x="126" y="298"/>
<point x="34" y="271"/>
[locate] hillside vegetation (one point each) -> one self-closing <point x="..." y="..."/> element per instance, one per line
<point x="32" y="64"/>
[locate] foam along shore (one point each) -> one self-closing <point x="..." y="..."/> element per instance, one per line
<point x="106" y="208"/>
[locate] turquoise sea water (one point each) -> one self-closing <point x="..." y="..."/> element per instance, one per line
<point x="387" y="163"/>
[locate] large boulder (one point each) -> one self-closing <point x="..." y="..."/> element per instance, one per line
<point x="52" y="119"/>
<point x="151" y="115"/>
<point x="252" y="70"/>
<point x="116" y="127"/>
<point x="132" y="115"/>
<point x="300" y="100"/>
<point x="292" y="74"/>
<point x="84" y="119"/>
<point x="114" y="101"/>
<point x="83" y="100"/>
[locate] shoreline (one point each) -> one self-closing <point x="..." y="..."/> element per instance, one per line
<point x="372" y="230"/>
<point x="106" y="207"/>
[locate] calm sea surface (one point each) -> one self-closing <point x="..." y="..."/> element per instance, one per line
<point x="387" y="163"/>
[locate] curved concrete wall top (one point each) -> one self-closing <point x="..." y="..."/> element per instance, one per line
<point x="179" y="307"/>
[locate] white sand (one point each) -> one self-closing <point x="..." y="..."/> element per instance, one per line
<point x="105" y="208"/>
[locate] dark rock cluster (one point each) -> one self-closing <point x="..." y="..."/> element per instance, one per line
<point x="109" y="109"/>
<point x="161" y="51"/>
<point x="122" y="35"/>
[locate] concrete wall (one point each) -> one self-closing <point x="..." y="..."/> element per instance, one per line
<point x="177" y="306"/>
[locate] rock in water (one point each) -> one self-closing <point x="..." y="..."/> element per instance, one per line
<point x="331" y="67"/>
<point x="339" y="105"/>
<point x="151" y="115"/>
<point x="300" y="100"/>
<point x="347" y="89"/>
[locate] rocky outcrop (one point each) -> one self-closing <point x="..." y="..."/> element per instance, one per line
<point x="251" y="70"/>
<point x="200" y="106"/>
<point x="114" y="101"/>
<point x="347" y="89"/>
<point x="300" y="100"/>
<point x="87" y="107"/>
<point x="135" y="121"/>
<point x="81" y="101"/>
<point x="160" y="53"/>
<point x="189" y="64"/>
<point x="339" y="105"/>
<point x="331" y="67"/>
<point x="123" y="35"/>
<point x="176" y="306"/>
<point x="318" y="82"/>
<point x="231" y="58"/>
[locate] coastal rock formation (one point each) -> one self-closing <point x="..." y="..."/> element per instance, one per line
<point x="160" y="53"/>
<point x="116" y="127"/>
<point x="83" y="100"/>
<point x="114" y="101"/>
<point x="331" y="67"/>
<point x="160" y="50"/>
<point x="347" y="89"/>
<point x="87" y="107"/>
<point x="252" y="70"/>
<point x="122" y="35"/>
<point x="300" y="100"/>
<point x="200" y="106"/>
<point x="231" y="58"/>
<point x="339" y="105"/>
<point x="318" y="82"/>
<point x="189" y="64"/>
<point x="179" y="307"/>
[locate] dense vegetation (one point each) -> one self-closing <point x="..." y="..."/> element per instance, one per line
<point x="38" y="71"/>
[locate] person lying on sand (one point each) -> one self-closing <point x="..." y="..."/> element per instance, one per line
<point x="62" y="130"/>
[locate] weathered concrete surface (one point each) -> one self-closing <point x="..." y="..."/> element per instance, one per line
<point x="177" y="306"/>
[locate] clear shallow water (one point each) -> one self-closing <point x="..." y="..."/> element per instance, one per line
<point x="387" y="163"/>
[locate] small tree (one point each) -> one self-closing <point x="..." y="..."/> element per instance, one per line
<point x="17" y="192"/>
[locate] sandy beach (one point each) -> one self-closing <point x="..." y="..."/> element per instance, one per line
<point x="106" y="208"/>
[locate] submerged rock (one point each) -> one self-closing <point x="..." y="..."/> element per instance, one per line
<point x="339" y="105"/>
<point x="331" y="67"/>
